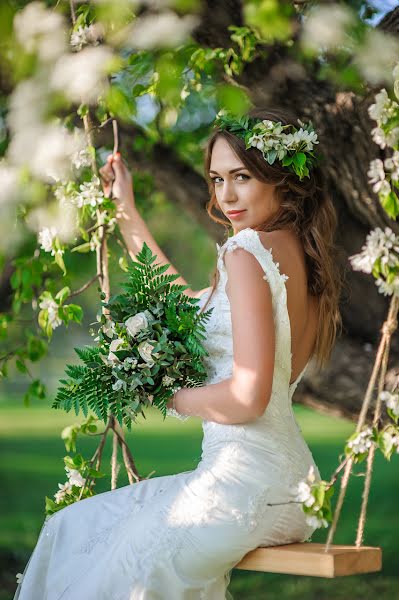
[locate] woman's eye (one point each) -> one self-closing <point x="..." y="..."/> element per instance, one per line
<point x="238" y="175"/>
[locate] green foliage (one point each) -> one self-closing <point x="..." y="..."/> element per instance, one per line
<point x="174" y="331"/>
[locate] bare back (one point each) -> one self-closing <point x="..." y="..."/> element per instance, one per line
<point x="302" y="306"/>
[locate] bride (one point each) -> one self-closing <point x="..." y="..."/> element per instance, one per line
<point x="275" y="295"/>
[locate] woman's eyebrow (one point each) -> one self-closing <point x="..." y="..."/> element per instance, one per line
<point x="231" y="170"/>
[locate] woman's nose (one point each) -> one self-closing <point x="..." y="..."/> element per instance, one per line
<point x="228" y="193"/>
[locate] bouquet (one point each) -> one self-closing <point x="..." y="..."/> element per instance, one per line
<point x="148" y="345"/>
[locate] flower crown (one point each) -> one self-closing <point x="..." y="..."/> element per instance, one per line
<point x="293" y="149"/>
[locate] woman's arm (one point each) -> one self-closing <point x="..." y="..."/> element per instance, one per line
<point x="245" y="395"/>
<point x="131" y="224"/>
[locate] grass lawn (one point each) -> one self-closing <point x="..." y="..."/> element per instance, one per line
<point x="31" y="465"/>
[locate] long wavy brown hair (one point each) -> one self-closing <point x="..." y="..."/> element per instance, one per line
<point x="307" y="209"/>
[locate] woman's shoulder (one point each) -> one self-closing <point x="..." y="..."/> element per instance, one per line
<point x="286" y="248"/>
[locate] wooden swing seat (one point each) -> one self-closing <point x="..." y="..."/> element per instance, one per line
<point x="308" y="558"/>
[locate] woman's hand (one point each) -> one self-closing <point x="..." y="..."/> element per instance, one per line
<point x="116" y="174"/>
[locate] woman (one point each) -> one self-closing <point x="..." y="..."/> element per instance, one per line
<point x="275" y="298"/>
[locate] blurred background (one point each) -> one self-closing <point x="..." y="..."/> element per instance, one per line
<point x="325" y="60"/>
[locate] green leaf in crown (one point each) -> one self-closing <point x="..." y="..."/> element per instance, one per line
<point x="291" y="146"/>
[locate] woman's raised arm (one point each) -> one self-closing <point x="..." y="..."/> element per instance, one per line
<point x="131" y="224"/>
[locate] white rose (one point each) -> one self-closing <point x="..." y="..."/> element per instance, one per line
<point x="145" y="351"/>
<point x="136" y="323"/>
<point x="114" y="345"/>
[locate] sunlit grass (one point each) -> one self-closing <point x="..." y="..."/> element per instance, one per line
<point x="31" y="452"/>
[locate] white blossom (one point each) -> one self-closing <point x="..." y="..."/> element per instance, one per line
<point x="136" y="323"/>
<point x="362" y="442"/>
<point x="74" y="477"/>
<point x="391" y="400"/>
<point x="90" y="193"/>
<point x="383" y="108"/>
<point x="167" y="381"/>
<point x="315" y="521"/>
<point x="65" y="488"/>
<point x="376" y="174"/>
<point x="46" y="239"/>
<point x="82" y="158"/>
<point x="52" y="307"/>
<point x="376" y="56"/>
<point x="46" y="148"/>
<point x="42" y="30"/>
<point x="89" y="34"/>
<point x="395" y="442"/>
<point x="164" y="29"/>
<point x="325" y="27"/>
<point x="379" y="244"/>
<point x="81" y="76"/>
<point x="392" y="164"/>
<point x="19" y="577"/>
<point x="117" y="385"/>
<point x="269" y="135"/>
<point x="388" y="289"/>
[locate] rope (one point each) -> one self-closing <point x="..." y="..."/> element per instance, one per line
<point x="388" y="328"/>
<point x="381" y="361"/>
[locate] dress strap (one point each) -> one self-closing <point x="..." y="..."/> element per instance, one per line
<point x="249" y="239"/>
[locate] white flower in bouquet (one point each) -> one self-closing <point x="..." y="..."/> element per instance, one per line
<point x="145" y="350"/>
<point x="129" y="363"/>
<point x="74" y="477"/>
<point x="113" y="347"/>
<point x="136" y="323"/>
<point x="109" y="328"/>
<point x="167" y="381"/>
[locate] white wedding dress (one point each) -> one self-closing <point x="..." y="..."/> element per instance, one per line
<point x="178" y="537"/>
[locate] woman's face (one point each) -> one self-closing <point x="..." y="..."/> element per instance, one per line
<point x="237" y="189"/>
